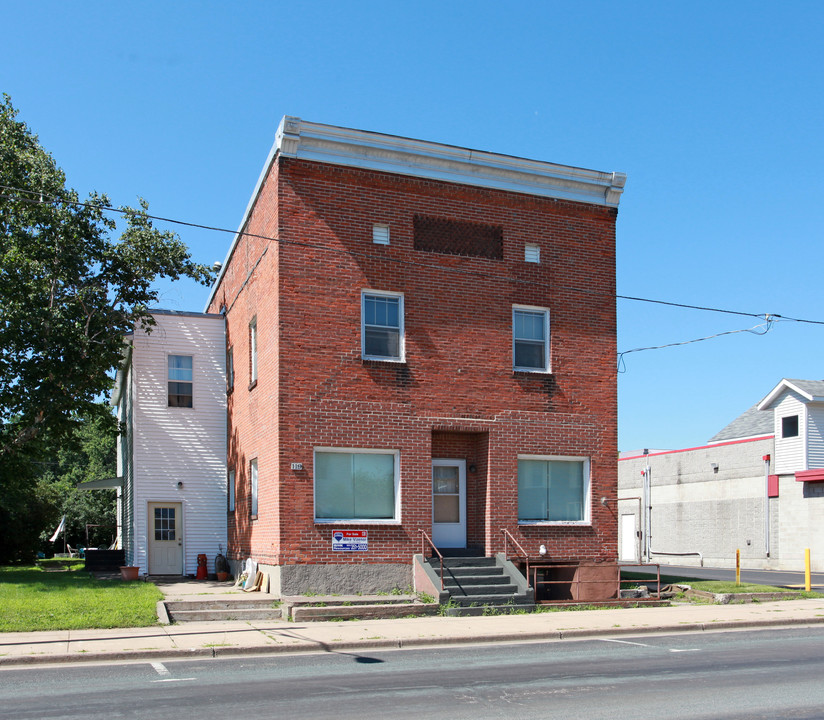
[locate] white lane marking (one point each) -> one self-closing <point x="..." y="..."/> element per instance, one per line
<point x="624" y="642"/>
<point x="160" y="668"/>
<point x="173" y="680"/>
<point x="685" y="649"/>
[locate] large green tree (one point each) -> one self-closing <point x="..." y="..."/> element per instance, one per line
<point x="72" y="283"/>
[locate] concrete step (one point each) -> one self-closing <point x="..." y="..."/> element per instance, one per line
<point x="462" y="590"/>
<point x="304" y="613"/>
<point x="465" y="571"/>
<point x="205" y="615"/>
<point x="493" y="599"/>
<point x="460" y="562"/>
<point x="460" y="581"/>
<point x="245" y="603"/>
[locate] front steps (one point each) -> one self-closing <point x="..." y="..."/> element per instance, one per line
<point x="300" y="607"/>
<point x="474" y="584"/>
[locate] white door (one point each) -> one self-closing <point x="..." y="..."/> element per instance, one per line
<point x="449" y="503"/>
<point x="165" y="539"/>
<point x="629" y="539"/>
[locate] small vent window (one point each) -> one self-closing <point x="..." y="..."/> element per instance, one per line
<point x="380" y="234"/>
<point x="458" y="237"/>
<point x="532" y="254"/>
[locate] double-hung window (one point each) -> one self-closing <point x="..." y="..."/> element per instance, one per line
<point x="360" y="485"/>
<point x="382" y="326"/>
<point x="180" y="381"/>
<point x="553" y="489"/>
<point x="253" y="488"/>
<point x="530" y="339"/>
<point x="253" y="352"/>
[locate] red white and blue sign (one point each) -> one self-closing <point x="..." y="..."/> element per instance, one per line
<point x="350" y="540"/>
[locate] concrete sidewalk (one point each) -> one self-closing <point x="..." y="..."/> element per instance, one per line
<point x="224" y="639"/>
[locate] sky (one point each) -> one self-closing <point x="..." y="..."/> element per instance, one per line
<point x="713" y="109"/>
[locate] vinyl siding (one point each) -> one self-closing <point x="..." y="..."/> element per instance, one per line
<point x="789" y="452"/>
<point x="187" y="445"/>
<point x="815" y="436"/>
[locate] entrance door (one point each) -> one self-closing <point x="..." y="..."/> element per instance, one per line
<point x="165" y="539"/>
<point x="629" y="539"/>
<point x="449" y="503"/>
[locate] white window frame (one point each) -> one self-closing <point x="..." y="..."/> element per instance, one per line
<point x="253" y="488"/>
<point x="253" y="352"/>
<point x="230" y="489"/>
<point x="401" y="337"/>
<point x="396" y="520"/>
<point x="587" y="499"/>
<point x="230" y="368"/>
<point x="190" y="382"/>
<point x="547" y="368"/>
<point x="380" y="234"/>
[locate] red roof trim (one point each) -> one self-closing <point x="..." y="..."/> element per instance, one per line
<point x="703" y="447"/>
<point x="810" y="476"/>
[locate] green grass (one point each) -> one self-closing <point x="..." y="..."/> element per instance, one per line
<point x="713" y="586"/>
<point x="61" y="595"/>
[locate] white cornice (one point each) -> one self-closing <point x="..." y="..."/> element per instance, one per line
<point x="305" y="140"/>
<point x="357" y="148"/>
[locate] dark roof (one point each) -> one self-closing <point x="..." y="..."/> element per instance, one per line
<point x="752" y="423"/>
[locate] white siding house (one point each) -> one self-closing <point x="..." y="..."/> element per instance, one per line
<point x="170" y="396"/>
<point x="756" y="487"/>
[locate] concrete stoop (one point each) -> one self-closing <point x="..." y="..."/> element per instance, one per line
<point x="354" y="607"/>
<point x="213" y="609"/>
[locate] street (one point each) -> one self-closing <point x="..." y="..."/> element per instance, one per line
<point x="777" y="578"/>
<point x="756" y="674"/>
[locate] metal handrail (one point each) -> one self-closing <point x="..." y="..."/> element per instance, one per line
<point x="508" y="538"/>
<point x="426" y="539"/>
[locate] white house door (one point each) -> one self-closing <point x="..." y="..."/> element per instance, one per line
<point x="449" y="503"/>
<point x="165" y="539"/>
<point x="629" y="539"/>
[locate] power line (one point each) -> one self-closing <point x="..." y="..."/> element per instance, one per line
<point x="40" y="200"/>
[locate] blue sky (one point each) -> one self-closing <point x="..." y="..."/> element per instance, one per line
<point x="714" y="110"/>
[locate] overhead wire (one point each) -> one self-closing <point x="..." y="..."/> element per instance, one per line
<point x="770" y="318"/>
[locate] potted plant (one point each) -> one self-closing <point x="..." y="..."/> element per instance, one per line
<point x="129" y="572"/>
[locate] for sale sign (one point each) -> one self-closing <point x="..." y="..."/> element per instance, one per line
<point x="350" y="540"/>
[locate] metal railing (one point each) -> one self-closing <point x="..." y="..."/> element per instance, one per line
<point x="522" y="553"/>
<point x="575" y="582"/>
<point x="426" y="539"/>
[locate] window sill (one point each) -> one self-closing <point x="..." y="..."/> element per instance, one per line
<point x="555" y="523"/>
<point x="253" y="517"/>
<point x="532" y="371"/>
<point x="253" y="384"/>
<point x="391" y="361"/>
<point x="324" y="521"/>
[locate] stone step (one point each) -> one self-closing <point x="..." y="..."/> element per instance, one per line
<point x="206" y="615"/>
<point x="491" y="580"/>
<point x="304" y="613"/>
<point x="459" y="591"/>
<point x="464" y="571"/>
<point x="241" y="603"/>
<point x="458" y="562"/>
<point x="494" y="599"/>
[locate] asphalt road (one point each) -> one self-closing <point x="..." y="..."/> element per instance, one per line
<point x="764" y="674"/>
<point x="778" y="578"/>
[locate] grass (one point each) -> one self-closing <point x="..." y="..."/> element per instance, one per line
<point x="61" y="595"/>
<point x="713" y="586"/>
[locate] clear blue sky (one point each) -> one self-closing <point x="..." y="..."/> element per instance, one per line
<point x="714" y="110"/>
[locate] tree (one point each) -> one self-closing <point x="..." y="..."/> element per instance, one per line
<point x="68" y="290"/>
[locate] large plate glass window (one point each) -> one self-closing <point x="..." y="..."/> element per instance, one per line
<point x="553" y="489"/>
<point x="382" y="325"/>
<point x="356" y="484"/>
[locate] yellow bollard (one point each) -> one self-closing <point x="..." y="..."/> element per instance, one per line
<point x="807" y="583"/>
<point x="737" y="567"/>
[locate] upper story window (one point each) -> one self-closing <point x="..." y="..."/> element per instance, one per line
<point x="789" y="426"/>
<point x="230" y="368"/>
<point x="530" y="339"/>
<point x="253" y="352"/>
<point x="180" y="381"/>
<point x="230" y="487"/>
<point x="553" y="489"/>
<point x="253" y="488"/>
<point x="382" y="325"/>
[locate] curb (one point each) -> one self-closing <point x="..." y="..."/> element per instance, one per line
<point x="305" y="647"/>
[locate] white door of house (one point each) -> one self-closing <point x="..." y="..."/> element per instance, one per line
<point x="449" y="503"/>
<point x="629" y="538"/>
<point x="165" y="539"/>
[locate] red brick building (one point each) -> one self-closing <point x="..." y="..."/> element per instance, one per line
<point x="419" y="337"/>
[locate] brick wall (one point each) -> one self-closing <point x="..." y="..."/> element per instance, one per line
<point x="315" y="390"/>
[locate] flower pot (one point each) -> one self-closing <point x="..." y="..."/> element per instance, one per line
<point x="129" y="572"/>
<point x="222" y="576"/>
